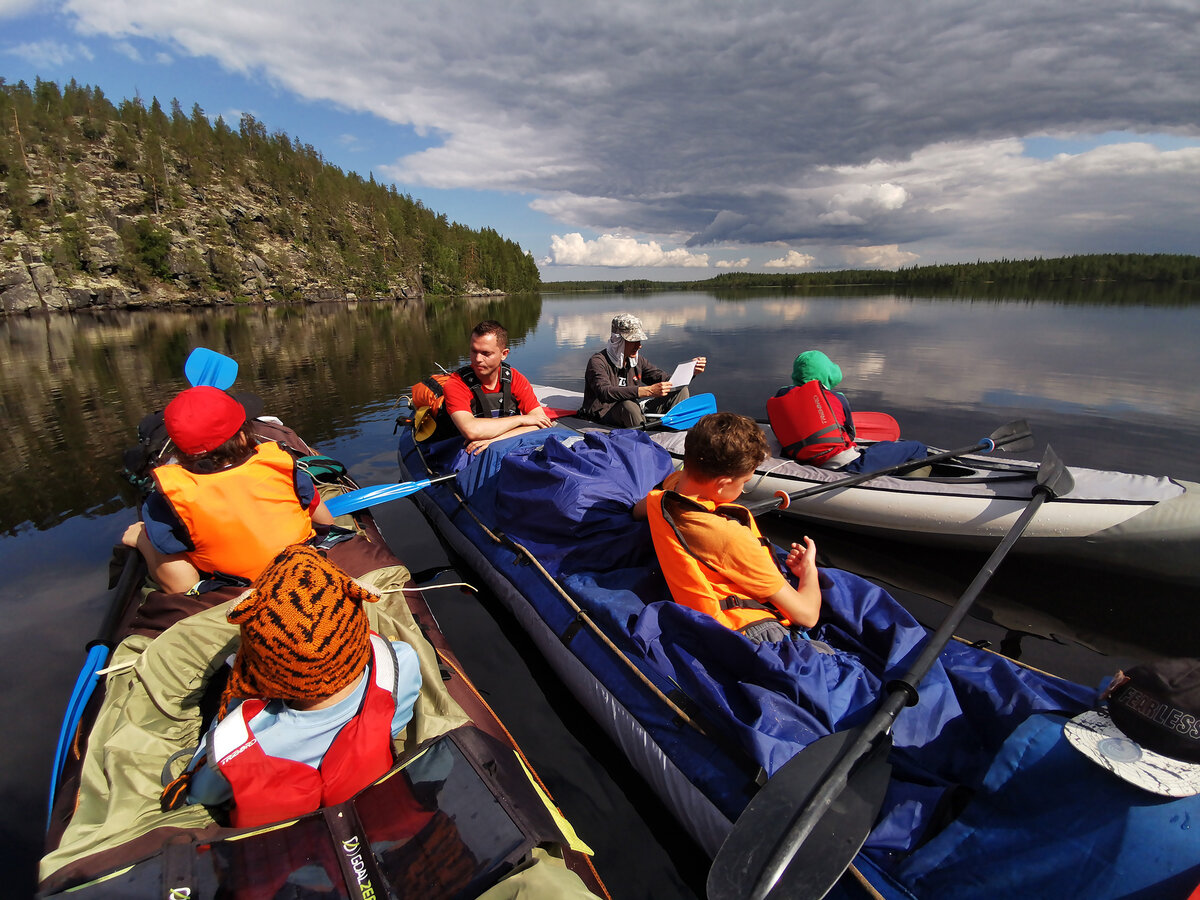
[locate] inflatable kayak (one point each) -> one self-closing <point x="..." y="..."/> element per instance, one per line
<point x="460" y="814"/>
<point x="986" y="796"/>
<point x="1139" y="524"/>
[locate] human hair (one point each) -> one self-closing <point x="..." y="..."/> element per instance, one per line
<point x="234" y="451"/>
<point x="724" y="445"/>
<point x="491" y="326"/>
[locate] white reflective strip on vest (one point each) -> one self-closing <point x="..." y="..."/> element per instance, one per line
<point x="385" y="664"/>
<point x="231" y="733"/>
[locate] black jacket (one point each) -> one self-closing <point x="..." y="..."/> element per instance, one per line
<point x="601" y="383"/>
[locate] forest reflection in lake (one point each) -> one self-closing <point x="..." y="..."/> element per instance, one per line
<point x="1109" y="385"/>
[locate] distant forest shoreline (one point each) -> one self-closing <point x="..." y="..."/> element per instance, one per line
<point x="1089" y="270"/>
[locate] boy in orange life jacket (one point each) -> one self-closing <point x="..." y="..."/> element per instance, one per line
<point x="228" y="505"/>
<point x="323" y="698"/>
<point x="712" y="554"/>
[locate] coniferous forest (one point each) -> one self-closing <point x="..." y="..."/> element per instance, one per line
<point x="136" y="200"/>
<point x="1093" y="268"/>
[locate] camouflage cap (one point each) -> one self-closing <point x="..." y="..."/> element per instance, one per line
<point x="628" y="327"/>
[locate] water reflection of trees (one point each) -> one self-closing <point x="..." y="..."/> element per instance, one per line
<point x="73" y="388"/>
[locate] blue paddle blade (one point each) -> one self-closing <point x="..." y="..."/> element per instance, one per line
<point x="84" y="685"/>
<point x="686" y="414"/>
<point x="208" y="367"/>
<point x="353" y="501"/>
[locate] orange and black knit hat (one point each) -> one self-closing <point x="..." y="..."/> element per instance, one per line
<point x="305" y="634"/>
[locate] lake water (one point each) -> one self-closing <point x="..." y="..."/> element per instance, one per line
<point x="1110" y="385"/>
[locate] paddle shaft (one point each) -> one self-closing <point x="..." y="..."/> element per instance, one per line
<point x="986" y="445"/>
<point x="900" y="694"/>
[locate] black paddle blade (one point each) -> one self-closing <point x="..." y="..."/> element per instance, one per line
<point x="1013" y="437"/>
<point x="834" y="840"/>
<point x="1053" y="477"/>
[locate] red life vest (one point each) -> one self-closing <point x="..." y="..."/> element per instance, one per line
<point x="238" y="519"/>
<point x="809" y="425"/>
<point x="692" y="582"/>
<point x="269" y="789"/>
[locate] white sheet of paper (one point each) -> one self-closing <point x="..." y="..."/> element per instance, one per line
<point x="682" y="375"/>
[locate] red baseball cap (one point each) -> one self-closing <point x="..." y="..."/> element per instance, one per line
<point x="203" y="418"/>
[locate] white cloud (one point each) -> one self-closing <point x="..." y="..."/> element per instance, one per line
<point x="50" y="54"/>
<point x="857" y="203"/>
<point x="618" y="252"/>
<point x="793" y="259"/>
<point x="10" y="9"/>
<point x="127" y="50"/>
<point x="885" y="257"/>
<point x="733" y="263"/>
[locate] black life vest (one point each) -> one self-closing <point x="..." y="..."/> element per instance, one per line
<point x="486" y="406"/>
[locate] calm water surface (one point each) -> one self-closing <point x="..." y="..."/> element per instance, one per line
<point x="1110" y="386"/>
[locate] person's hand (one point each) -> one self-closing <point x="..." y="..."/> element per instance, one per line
<point x="132" y="533"/>
<point x="477" y="447"/>
<point x="539" y="418"/>
<point x="802" y="562"/>
<point x="661" y="389"/>
<point x="700" y="362"/>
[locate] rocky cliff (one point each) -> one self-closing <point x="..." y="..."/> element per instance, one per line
<point x="103" y="206"/>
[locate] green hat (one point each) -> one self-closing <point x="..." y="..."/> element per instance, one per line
<point x="813" y="365"/>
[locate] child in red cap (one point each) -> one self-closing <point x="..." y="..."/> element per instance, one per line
<point x="228" y="505"/>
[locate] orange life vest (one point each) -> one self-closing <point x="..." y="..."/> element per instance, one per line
<point x="269" y="788"/>
<point x="428" y="392"/>
<point x="809" y="427"/>
<point x="238" y="519"/>
<point x="693" y="583"/>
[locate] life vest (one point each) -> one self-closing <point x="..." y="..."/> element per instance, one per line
<point x="693" y="582"/>
<point x="428" y="392"/>
<point x="488" y="405"/>
<point x="809" y="427"/>
<point x="269" y="788"/>
<point x="239" y="518"/>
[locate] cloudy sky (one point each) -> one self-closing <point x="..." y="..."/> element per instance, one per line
<point x="673" y="139"/>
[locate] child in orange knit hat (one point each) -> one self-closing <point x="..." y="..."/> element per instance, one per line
<point x="321" y="698"/>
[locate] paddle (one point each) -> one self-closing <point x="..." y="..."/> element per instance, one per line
<point x="1013" y="436"/>
<point x="868" y="426"/>
<point x="837" y="784"/>
<point x="875" y="426"/>
<point x="85" y="683"/>
<point x="353" y="501"/>
<point x="208" y="367"/>
<point x="680" y="417"/>
<point x="684" y="415"/>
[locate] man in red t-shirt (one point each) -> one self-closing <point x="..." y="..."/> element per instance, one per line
<point x="488" y="399"/>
